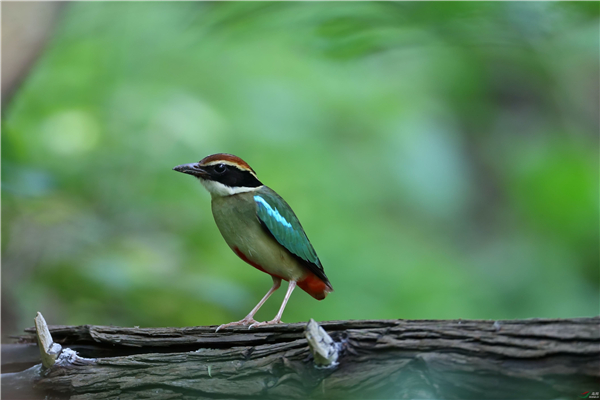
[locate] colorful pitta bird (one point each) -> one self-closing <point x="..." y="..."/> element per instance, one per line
<point x="261" y="228"/>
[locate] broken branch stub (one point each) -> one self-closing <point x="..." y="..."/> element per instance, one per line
<point x="49" y="351"/>
<point x="324" y="350"/>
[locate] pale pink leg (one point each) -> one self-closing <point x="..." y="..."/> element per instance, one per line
<point x="249" y="319"/>
<point x="277" y="319"/>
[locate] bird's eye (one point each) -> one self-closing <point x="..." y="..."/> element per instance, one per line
<point x="220" y="168"/>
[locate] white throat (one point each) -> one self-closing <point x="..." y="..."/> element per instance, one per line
<point x="220" y="190"/>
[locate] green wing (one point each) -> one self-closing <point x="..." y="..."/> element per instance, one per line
<point x="279" y="219"/>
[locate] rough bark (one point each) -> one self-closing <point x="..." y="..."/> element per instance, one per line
<point x="379" y="359"/>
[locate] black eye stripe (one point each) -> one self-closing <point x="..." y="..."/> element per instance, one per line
<point x="232" y="176"/>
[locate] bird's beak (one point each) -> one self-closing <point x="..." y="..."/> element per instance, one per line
<point x="191" y="169"/>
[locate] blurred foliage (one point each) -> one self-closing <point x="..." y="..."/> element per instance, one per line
<point x="442" y="157"/>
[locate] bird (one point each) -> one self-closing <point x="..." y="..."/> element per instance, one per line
<point x="261" y="229"/>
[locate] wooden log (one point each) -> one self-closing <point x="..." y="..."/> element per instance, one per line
<point x="536" y="358"/>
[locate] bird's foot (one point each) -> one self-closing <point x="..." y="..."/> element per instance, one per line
<point x="272" y="322"/>
<point x="243" y="322"/>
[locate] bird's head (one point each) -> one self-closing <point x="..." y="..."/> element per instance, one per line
<point x="222" y="174"/>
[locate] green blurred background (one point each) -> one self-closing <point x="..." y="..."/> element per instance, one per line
<point x="442" y="157"/>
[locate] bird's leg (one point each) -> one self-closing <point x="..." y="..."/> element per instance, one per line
<point x="277" y="319"/>
<point x="288" y="294"/>
<point x="249" y="319"/>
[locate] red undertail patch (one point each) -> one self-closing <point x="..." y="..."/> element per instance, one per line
<point x="314" y="286"/>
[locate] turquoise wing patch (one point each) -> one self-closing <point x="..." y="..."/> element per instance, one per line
<point x="277" y="216"/>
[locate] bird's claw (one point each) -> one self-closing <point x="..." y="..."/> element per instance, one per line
<point x="265" y="323"/>
<point x="243" y="322"/>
